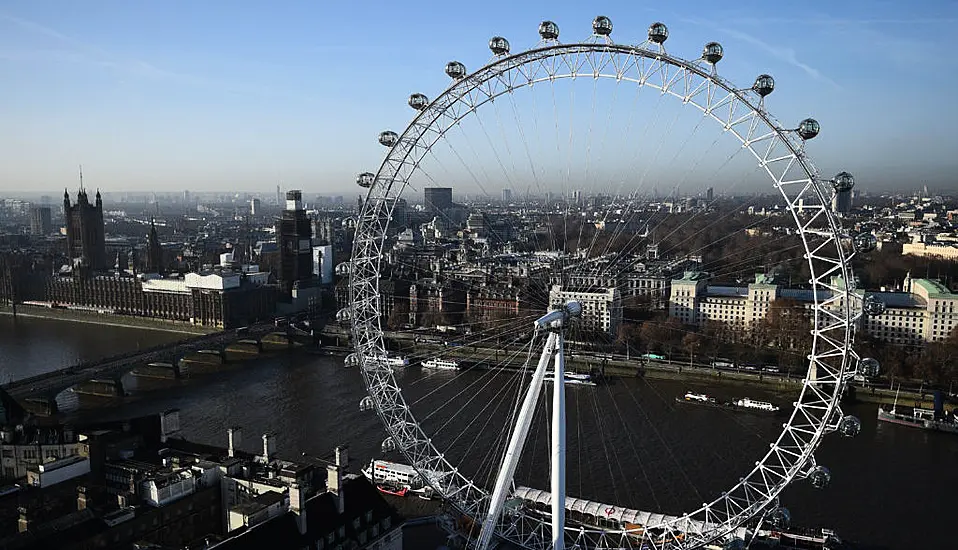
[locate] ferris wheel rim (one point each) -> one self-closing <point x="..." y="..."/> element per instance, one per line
<point x="364" y="291"/>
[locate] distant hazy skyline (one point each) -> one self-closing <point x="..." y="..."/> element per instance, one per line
<point x="220" y="96"/>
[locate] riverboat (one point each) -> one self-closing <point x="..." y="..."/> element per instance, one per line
<point x="799" y="538"/>
<point x="745" y="404"/>
<point x="440" y="364"/>
<point x="571" y="378"/>
<point x="926" y="419"/>
<point x="394" y="361"/>
<point x="752" y="404"/>
<point x="400" y="480"/>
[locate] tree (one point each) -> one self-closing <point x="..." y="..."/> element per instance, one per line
<point x="692" y="342"/>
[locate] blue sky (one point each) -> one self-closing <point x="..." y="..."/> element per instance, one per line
<point x="240" y="95"/>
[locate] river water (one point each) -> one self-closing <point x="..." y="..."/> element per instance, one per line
<point x="629" y="443"/>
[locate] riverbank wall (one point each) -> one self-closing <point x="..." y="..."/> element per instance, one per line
<point x="106" y="319"/>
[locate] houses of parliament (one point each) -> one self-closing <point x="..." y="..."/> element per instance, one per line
<point x="220" y="297"/>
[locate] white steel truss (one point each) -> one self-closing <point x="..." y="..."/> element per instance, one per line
<point x="779" y="153"/>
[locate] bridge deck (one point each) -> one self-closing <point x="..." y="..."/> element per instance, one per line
<point x="52" y="383"/>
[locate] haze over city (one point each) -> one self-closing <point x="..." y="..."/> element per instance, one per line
<point x="487" y="276"/>
<point x="225" y="96"/>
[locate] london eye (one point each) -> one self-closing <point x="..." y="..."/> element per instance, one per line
<point x="591" y="128"/>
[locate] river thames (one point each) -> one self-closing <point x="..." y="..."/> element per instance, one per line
<point x="892" y="486"/>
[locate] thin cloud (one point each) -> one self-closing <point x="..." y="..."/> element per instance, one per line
<point x="788" y="55"/>
<point x="785" y="54"/>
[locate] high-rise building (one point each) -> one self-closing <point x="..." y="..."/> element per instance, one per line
<point x="323" y="263"/>
<point x="279" y="197"/>
<point x="709" y="194"/>
<point x="254" y="207"/>
<point x="41" y="221"/>
<point x="842" y="202"/>
<point x="86" y="243"/>
<point x="293" y="233"/>
<point x="507" y="196"/>
<point x="437" y="199"/>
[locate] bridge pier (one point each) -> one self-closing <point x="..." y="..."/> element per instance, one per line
<point x="100" y="388"/>
<point x="276" y="341"/>
<point x="243" y="349"/>
<point x="41" y="406"/>
<point x="159" y="370"/>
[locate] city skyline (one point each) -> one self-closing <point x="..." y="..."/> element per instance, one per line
<point x="216" y="98"/>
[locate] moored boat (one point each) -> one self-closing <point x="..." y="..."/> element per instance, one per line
<point x="926" y="419"/>
<point x="440" y="364"/>
<point x="571" y="379"/>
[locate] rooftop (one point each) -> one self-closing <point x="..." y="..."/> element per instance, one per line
<point x="933" y="288"/>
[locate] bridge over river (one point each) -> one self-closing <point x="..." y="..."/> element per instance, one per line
<point x="102" y="377"/>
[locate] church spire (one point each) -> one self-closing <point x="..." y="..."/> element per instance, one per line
<point x="154" y="250"/>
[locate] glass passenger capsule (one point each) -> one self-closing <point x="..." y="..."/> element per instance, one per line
<point x="658" y="33"/>
<point x="418" y="101"/>
<point x="548" y="30"/>
<point x="780" y="517"/>
<point x="499" y="45"/>
<point x="865" y="242"/>
<point x="850" y="426"/>
<point x="869" y="367"/>
<point x="712" y="52"/>
<point x="366" y="404"/>
<point x="602" y="26"/>
<point x="365" y="179"/>
<point x="389" y="445"/>
<point x="764" y="85"/>
<point x="843" y="181"/>
<point x="808" y="128"/>
<point x="388" y="138"/>
<point x="820" y="477"/>
<point x="455" y="70"/>
<point x="873" y="306"/>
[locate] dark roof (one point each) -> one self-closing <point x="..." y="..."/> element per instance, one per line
<point x="322" y="518"/>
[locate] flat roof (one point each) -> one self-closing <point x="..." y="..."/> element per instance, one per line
<point x="932" y="288"/>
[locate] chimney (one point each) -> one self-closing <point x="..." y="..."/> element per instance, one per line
<point x="334" y="485"/>
<point x="235" y="435"/>
<point x="23" y="524"/>
<point x="268" y="447"/>
<point x="82" y="499"/>
<point x="342" y="457"/>
<point x="169" y="424"/>
<point x="296" y="504"/>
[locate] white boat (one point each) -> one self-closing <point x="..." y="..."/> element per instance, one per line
<point x="747" y="403"/>
<point x="398" y="478"/>
<point x="393" y="474"/>
<point x="397" y="361"/>
<point x="440" y="364"/>
<point x="700" y="397"/>
<point x="571" y="379"/>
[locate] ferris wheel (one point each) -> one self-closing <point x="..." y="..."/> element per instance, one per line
<point x="517" y="350"/>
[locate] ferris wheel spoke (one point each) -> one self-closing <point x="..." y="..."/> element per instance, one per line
<point x="585" y="243"/>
